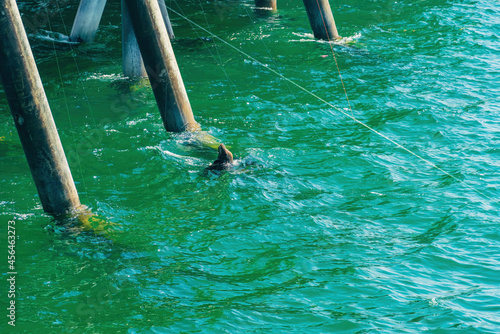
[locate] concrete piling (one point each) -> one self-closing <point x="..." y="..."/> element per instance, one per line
<point x="321" y="19"/>
<point x="87" y="20"/>
<point x="161" y="65"/>
<point x="32" y="116"/>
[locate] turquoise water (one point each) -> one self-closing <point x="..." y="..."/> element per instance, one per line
<point x="323" y="226"/>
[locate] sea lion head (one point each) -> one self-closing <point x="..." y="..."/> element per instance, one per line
<point x="224" y="159"/>
<point x="225" y="156"/>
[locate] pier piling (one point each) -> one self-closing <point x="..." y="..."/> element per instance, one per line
<point x="133" y="66"/>
<point x="32" y="116"/>
<point x="321" y="19"/>
<point x="166" y="19"/>
<point x="87" y="20"/>
<point x="161" y="65"/>
<point x="266" y="4"/>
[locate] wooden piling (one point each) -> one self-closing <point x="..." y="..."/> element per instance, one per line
<point x="266" y="4"/>
<point x="161" y="65"/>
<point x="166" y="19"/>
<point x="31" y="112"/>
<point x="87" y="20"/>
<point x="321" y="19"/>
<point x="133" y="66"/>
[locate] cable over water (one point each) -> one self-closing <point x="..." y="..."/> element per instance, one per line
<point x="351" y="116"/>
<point x="336" y="63"/>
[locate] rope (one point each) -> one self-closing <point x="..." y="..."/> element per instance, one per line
<point x="87" y="100"/>
<point x="67" y="106"/>
<point x="335" y="58"/>
<point x="107" y="283"/>
<point x="218" y="61"/>
<point x="352" y="117"/>
<point x="270" y="55"/>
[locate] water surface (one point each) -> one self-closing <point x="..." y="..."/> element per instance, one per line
<point x="324" y="226"/>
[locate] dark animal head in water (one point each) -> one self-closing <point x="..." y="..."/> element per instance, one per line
<point x="224" y="160"/>
<point x="224" y="154"/>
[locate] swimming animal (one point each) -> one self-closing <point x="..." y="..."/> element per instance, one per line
<point x="224" y="160"/>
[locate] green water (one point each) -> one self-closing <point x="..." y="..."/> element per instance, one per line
<point x="323" y="226"/>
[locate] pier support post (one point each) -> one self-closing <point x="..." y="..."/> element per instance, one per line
<point x="31" y="112"/>
<point x="133" y="66"/>
<point x="266" y="4"/>
<point x="161" y="65"/>
<point x="321" y="19"/>
<point x="87" y="20"/>
<point x="166" y="19"/>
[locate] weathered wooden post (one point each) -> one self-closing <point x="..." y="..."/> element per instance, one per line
<point x="133" y="66"/>
<point x="161" y="65"/>
<point x="266" y="4"/>
<point x="166" y="19"/>
<point x="321" y="19"/>
<point x="31" y="112"/>
<point x="87" y="20"/>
